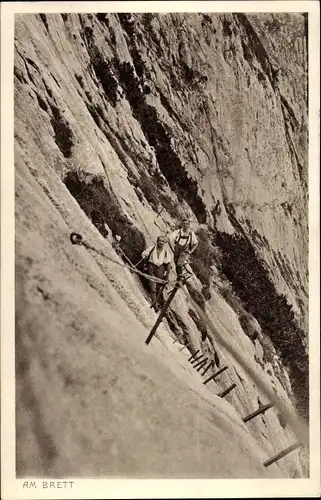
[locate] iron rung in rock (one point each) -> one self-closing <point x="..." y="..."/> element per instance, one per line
<point x="227" y="391"/>
<point x="212" y="377"/>
<point x="282" y="454"/>
<point x="193" y="355"/>
<point x="201" y="363"/>
<point x="197" y="359"/>
<point x="259" y="411"/>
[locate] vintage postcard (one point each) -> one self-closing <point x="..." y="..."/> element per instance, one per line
<point x="160" y="249"/>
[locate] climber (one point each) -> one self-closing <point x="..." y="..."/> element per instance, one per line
<point x="183" y="242"/>
<point x="158" y="259"/>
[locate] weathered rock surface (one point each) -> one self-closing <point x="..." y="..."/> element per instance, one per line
<point x="201" y="115"/>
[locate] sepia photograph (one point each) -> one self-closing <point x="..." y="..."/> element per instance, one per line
<point x="161" y="245"/>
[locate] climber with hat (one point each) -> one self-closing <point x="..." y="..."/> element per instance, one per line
<point x="158" y="259"/>
<point x="183" y="241"/>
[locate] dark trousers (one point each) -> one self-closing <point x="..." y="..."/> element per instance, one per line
<point x="180" y="257"/>
<point x="159" y="272"/>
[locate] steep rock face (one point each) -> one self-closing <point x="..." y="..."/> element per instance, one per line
<point x="198" y="115"/>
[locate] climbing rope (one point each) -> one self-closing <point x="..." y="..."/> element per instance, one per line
<point x="77" y="239"/>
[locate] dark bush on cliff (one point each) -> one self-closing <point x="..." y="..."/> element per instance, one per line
<point x="252" y="284"/>
<point x="202" y="259"/>
<point x="100" y="205"/>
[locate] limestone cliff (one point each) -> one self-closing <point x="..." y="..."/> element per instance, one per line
<point x="124" y="123"/>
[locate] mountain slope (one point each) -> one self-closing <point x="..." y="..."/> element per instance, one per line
<point x="118" y="117"/>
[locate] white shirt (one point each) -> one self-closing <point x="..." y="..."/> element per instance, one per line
<point x="158" y="257"/>
<point x="192" y="239"/>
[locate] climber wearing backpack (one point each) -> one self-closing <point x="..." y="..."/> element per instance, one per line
<point x="183" y="241"/>
<point x="158" y="260"/>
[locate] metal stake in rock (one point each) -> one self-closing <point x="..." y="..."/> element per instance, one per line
<point x="76" y="239"/>
<point x="201" y="365"/>
<point x="212" y="377"/>
<point x="193" y="355"/>
<point x="210" y="365"/>
<point x="227" y="391"/>
<point x="282" y="454"/>
<point x="197" y="359"/>
<point x="163" y="312"/>
<point x="259" y="411"/>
